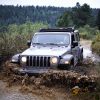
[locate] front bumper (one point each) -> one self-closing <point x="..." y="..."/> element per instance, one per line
<point x="38" y="70"/>
<point x="31" y="70"/>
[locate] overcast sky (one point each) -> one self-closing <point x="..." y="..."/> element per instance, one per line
<point x="57" y="3"/>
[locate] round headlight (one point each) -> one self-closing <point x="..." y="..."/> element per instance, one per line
<point x="54" y="60"/>
<point x="23" y="59"/>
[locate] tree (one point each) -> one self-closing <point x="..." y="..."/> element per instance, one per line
<point x="64" y="20"/>
<point x="78" y="5"/>
<point x="81" y="15"/>
<point x="20" y="14"/>
<point x="98" y="20"/>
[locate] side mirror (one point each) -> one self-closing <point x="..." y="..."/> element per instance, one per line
<point x="75" y="43"/>
<point x="28" y="43"/>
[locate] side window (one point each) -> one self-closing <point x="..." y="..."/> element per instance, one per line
<point x="72" y="39"/>
<point x="77" y="37"/>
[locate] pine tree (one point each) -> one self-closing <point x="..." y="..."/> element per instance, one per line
<point x="98" y="20"/>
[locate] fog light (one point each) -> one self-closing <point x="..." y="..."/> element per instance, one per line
<point x="13" y="60"/>
<point x="66" y="62"/>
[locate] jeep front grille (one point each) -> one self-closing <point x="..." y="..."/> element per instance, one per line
<point x="38" y="61"/>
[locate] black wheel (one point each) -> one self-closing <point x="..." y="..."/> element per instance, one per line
<point x="64" y="67"/>
<point x="81" y="59"/>
<point x="71" y="66"/>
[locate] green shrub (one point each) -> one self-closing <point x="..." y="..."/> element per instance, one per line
<point x="15" y="38"/>
<point x="96" y="44"/>
<point x="87" y="32"/>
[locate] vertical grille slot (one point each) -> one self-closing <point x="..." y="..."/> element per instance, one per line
<point x="27" y="63"/>
<point x="48" y="61"/>
<point x="41" y="61"/>
<point x="34" y="61"/>
<point x="31" y="61"/>
<point x="45" y="61"/>
<point x="38" y="61"/>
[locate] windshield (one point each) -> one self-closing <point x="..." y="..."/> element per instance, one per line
<point x="51" y="39"/>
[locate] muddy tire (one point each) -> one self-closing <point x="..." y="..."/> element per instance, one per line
<point x="71" y="67"/>
<point x="80" y="60"/>
<point x="63" y="67"/>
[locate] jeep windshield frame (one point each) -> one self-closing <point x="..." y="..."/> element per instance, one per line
<point x="51" y="38"/>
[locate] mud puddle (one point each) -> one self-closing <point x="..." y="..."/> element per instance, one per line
<point x="13" y="93"/>
<point x="87" y="51"/>
<point x="23" y="90"/>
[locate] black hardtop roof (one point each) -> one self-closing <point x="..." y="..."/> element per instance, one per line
<point x="69" y="29"/>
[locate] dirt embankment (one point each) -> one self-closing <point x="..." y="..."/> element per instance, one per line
<point x="54" y="85"/>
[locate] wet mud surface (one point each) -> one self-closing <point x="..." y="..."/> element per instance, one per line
<point x="54" y="85"/>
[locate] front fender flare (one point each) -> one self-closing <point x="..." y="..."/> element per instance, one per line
<point x="67" y="57"/>
<point x="15" y="58"/>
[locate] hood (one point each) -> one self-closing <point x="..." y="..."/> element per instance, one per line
<point x="46" y="51"/>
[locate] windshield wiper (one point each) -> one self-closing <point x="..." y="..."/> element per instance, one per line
<point x="51" y="44"/>
<point x="57" y="44"/>
<point x="37" y="43"/>
<point x="45" y="43"/>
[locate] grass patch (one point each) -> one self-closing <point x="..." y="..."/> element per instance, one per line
<point x="87" y="32"/>
<point x="96" y="44"/>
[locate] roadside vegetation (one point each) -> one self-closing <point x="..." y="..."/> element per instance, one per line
<point x="14" y="37"/>
<point x="96" y="44"/>
<point x="92" y="34"/>
<point x="88" y="32"/>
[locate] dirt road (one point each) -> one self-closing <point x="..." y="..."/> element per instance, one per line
<point x="19" y="92"/>
<point x="13" y="93"/>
